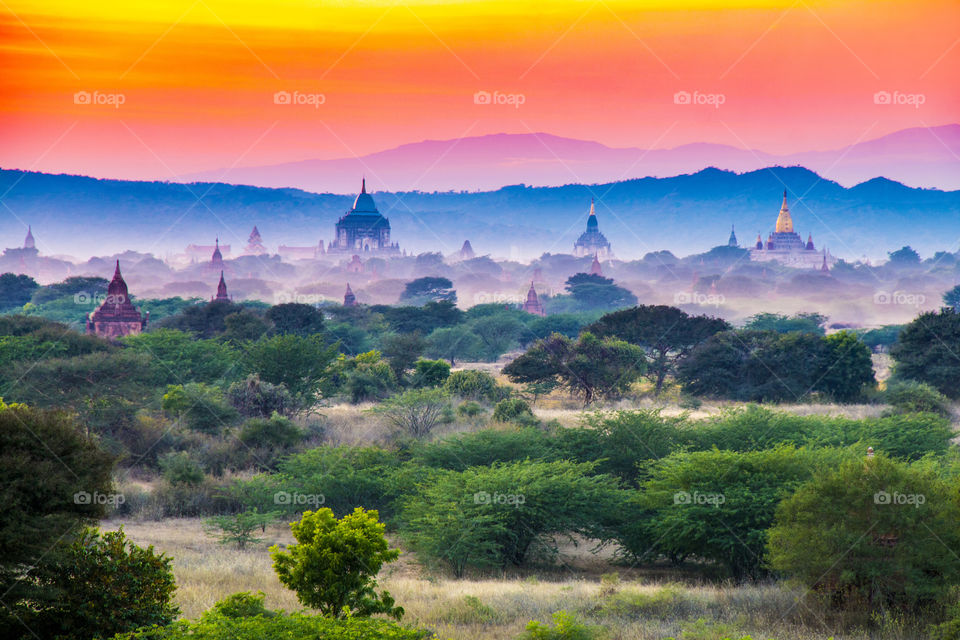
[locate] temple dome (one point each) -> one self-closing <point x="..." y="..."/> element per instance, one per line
<point x="364" y="202"/>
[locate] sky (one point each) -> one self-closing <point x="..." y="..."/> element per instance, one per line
<point x="158" y="88"/>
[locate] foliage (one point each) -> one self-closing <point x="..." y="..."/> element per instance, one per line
<point x="926" y="351"/>
<point x="590" y="367"/>
<point x="242" y="604"/>
<point x="254" y="398"/>
<point x="16" y="290"/>
<point x="472" y="384"/>
<point x="904" y="256"/>
<point x="514" y="410"/>
<point x="881" y="337"/>
<point x="872" y="534"/>
<point x="296" y="318"/>
<point x="415" y="412"/>
<point x="910" y="396"/>
<point x="667" y="334"/>
<point x="566" y="626"/>
<point x="428" y="289"/>
<point x="596" y="292"/>
<point x="180" y="469"/>
<point x="848" y="367"/>
<point x="454" y="343"/>
<point x="181" y="359"/>
<point x="802" y="322"/>
<point x="430" y="373"/>
<point x="296" y="626"/>
<point x="55" y="479"/>
<point x="103" y="585"/>
<point x="239" y="528"/>
<point x="333" y="566"/>
<point x="201" y="405"/>
<point x="298" y="363"/>
<point x="402" y="351"/>
<point x="276" y="431"/>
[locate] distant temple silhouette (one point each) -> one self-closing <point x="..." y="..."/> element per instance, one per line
<point x="222" y="289"/>
<point x="255" y="243"/>
<point x="786" y="246"/>
<point x="532" y="305"/>
<point x="363" y="229"/>
<point x="349" y="300"/>
<point x="591" y="241"/>
<point x="116" y="317"/>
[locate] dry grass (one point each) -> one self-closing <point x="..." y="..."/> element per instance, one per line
<point x="498" y="609"/>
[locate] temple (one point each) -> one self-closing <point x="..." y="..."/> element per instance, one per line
<point x="216" y="260"/>
<point x="786" y="246"/>
<point x="116" y="317"/>
<point x="222" y="290"/>
<point x="29" y="242"/>
<point x="363" y="229"/>
<point x="595" y="267"/>
<point x="466" y="251"/>
<point x="349" y="300"/>
<point x="732" y="241"/>
<point x="532" y="305"/>
<point x="591" y="241"/>
<point x="255" y="243"/>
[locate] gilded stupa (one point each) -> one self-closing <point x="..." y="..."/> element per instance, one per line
<point x="786" y="246"/>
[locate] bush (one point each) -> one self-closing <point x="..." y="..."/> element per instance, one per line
<point x="470" y="409"/>
<point x="872" y="535"/>
<point x="471" y="384"/>
<point x="514" y="410"/>
<point x="910" y="396"/>
<point x="104" y="585"/>
<point x="565" y="626"/>
<point x="253" y="398"/>
<point x="278" y="432"/>
<point x="333" y="566"/>
<point x="181" y="469"/>
<point x="430" y="373"/>
<point x="239" y="528"/>
<point x="201" y="405"/>
<point x="243" y="605"/>
<point x="485" y="448"/>
<point x="415" y="412"/>
<point x="295" y="626"/>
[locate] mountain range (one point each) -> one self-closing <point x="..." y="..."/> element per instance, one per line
<point x="690" y="213"/>
<point x="918" y="157"/>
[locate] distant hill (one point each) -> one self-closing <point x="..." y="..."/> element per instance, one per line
<point x="919" y="157"/>
<point x="83" y="216"/>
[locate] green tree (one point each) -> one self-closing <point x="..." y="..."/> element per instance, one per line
<point x="803" y="322"/>
<point x="874" y="534"/>
<point x="254" y="398"/>
<point x="181" y="358"/>
<point x="241" y="326"/>
<point x="589" y="367"/>
<point x="415" y="412"/>
<point x="498" y="334"/>
<point x="54" y="479"/>
<point x="667" y="334"/>
<point x="428" y="289"/>
<point x="239" y="528"/>
<point x="104" y="585"/>
<point x="298" y="363"/>
<point x="333" y="566"/>
<point x="200" y="405"/>
<point x="430" y="373"/>
<point x="951" y="298"/>
<point x="15" y="290"/>
<point x="402" y="350"/>
<point x="927" y="349"/>
<point x="847" y="367"/>
<point x="596" y="292"/>
<point x="296" y="318"/>
<point x="454" y="343"/>
<point x="473" y="384"/>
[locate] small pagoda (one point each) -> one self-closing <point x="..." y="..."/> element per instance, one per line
<point x="116" y="317"/>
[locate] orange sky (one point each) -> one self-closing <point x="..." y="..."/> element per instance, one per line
<point x="197" y="78"/>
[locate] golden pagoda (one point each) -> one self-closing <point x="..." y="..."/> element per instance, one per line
<point x="784" y="221"/>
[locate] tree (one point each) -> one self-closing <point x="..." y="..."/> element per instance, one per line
<point x="241" y="326"/>
<point x="202" y="405"/>
<point x="54" y="479"/>
<point x="596" y="292"/>
<point x="473" y="384"/>
<point x="183" y="358"/>
<point x="804" y="322"/>
<point x="103" y="585"/>
<point x="239" y="528"/>
<point x="15" y="290"/>
<point x="904" y="256"/>
<point x="428" y="289"/>
<point x="927" y="349"/>
<point x="333" y="566"/>
<point x="415" y="412"/>
<point x="430" y="373"/>
<point x="666" y="333"/>
<point x="589" y="367"/>
<point x="298" y="363"/>
<point x="952" y="298"/>
<point x="402" y="350"/>
<point x="254" y="398"/>
<point x="873" y="534"/>
<point x="296" y="318"/>
<point x="454" y="343"/>
<point x="498" y="333"/>
<point x="848" y="367"/>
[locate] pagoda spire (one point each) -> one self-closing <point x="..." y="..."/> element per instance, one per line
<point x="222" y="289"/>
<point x="363" y="184"/>
<point x="349" y="299"/>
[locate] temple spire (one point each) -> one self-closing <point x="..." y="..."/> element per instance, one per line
<point x="363" y="184"/>
<point x="222" y="289"/>
<point x="784" y="221"/>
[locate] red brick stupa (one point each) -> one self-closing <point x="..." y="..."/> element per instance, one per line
<point x="349" y="300"/>
<point x="116" y="317"/>
<point x="222" y="289"/>
<point x="532" y="305"/>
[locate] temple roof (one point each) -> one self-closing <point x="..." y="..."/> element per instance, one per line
<point x="28" y="242"/>
<point x="364" y="202"/>
<point x="784" y="221"/>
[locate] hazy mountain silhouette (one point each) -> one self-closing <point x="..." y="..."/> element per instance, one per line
<point x="917" y="157"/>
<point x="689" y="213"/>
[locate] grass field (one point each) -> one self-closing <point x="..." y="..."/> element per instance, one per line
<point x="639" y="604"/>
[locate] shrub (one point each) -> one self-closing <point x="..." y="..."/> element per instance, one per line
<point x="430" y="373"/>
<point x="910" y="396"/>
<point x="333" y="566"/>
<point x="104" y="585"/>
<point x="254" y="398"/>
<point x="871" y="535"/>
<point x="239" y="528"/>
<point x="565" y="626"/>
<point x="485" y="448"/>
<point x="513" y="410"/>
<point x="243" y="605"/>
<point x="471" y="384"/>
<point x="290" y="627"/>
<point x="181" y="469"/>
<point x="415" y="412"/>
<point x="278" y="431"/>
<point x="201" y="405"/>
<point x="470" y="409"/>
